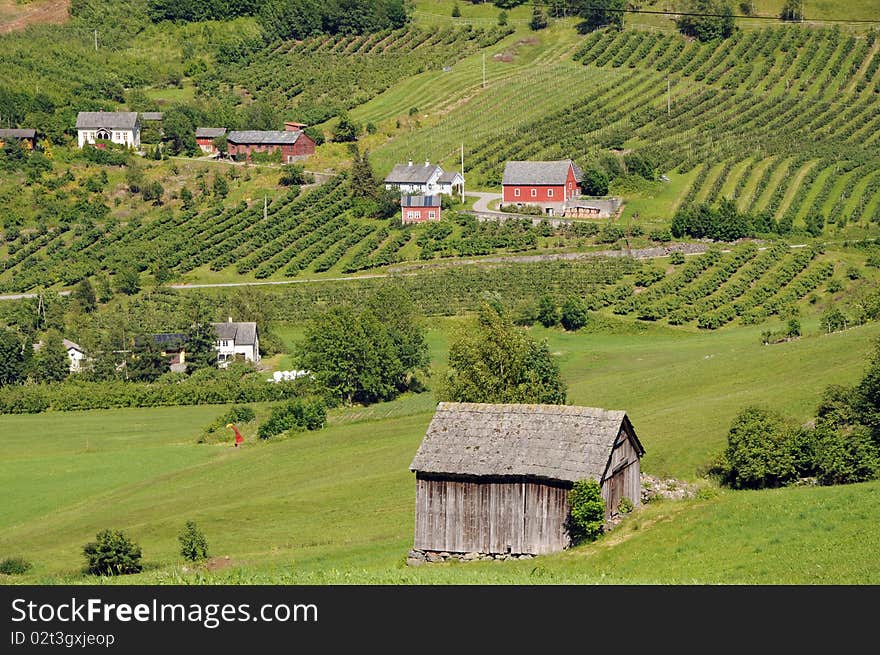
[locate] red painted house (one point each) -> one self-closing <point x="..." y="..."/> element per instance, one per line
<point x="548" y="184"/>
<point x="205" y="138"/>
<point x="294" y="144"/>
<point x="419" y="209"/>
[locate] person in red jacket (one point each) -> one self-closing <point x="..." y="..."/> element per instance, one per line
<point x="238" y="438"/>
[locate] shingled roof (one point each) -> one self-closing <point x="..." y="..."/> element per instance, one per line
<point x="18" y="133"/>
<point x="419" y="201"/>
<point x="242" y="334"/>
<point x="111" y="120"/>
<point x="209" y="132"/>
<point x="539" y="172"/>
<point x="411" y="173"/>
<point x="552" y="442"/>
<point x="264" y="137"/>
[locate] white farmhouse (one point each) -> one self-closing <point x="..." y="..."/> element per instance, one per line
<point x="236" y="340"/>
<point x="412" y="178"/>
<point x="122" y="127"/>
<point x="75" y="354"/>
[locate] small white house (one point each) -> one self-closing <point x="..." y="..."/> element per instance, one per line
<point x="76" y="355"/>
<point x="412" y="178"/>
<point x="450" y="183"/>
<point x="236" y="340"/>
<point x="122" y="127"/>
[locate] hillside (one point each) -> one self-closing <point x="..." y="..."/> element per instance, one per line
<point x="743" y="269"/>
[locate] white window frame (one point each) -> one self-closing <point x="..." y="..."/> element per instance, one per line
<point x="534" y="192"/>
<point x="549" y="193"/>
<point x="432" y="214"/>
<point x="516" y="192"/>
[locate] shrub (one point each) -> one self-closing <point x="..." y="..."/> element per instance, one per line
<point x="625" y="506"/>
<point x="299" y="414"/>
<point x="14" y="566"/>
<point x="757" y="454"/>
<point x="843" y="457"/>
<point x="587" y="513"/>
<point x="677" y="258"/>
<point x="193" y="544"/>
<point x="112" y="553"/>
<point x="574" y="316"/>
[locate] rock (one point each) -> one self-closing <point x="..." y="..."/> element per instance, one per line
<point x="433" y="557"/>
<point x="415" y="561"/>
<point x="469" y="557"/>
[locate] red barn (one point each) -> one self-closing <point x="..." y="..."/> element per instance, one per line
<point x="293" y="144"/>
<point x="548" y="184"/>
<point x="418" y="209"/>
<point x="205" y="138"/>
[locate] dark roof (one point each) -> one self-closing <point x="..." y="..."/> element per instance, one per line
<point x="243" y="334"/>
<point x="268" y="137"/>
<point x="411" y="173"/>
<point x="112" y="120"/>
<point x="209" y="132"/>
<point x="419" y="201"/>
<point x="552" y="442"/>
<point x="449" y="176"/>
<point x="70" y="344"/>
<point x="152" y="115"/>
<point x="538" y="172"/>
<point x="18" y="133"/>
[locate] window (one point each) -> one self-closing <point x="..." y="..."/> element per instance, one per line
<point x="534" y="193"/>
<point x="410" y="214"/>
<point x="432" y="214"/>
<point x="516" y="193"/>
<point x="549" y="193"/>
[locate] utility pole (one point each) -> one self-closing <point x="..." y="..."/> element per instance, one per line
<point x="668" y="97"/>
<point x="484" y="69"/>
<point x="96" y="40"/>
<point x="462" y="173"/>
<point x="265" y="207"/>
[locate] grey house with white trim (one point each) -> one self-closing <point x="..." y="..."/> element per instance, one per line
<point x="122" y="127"/>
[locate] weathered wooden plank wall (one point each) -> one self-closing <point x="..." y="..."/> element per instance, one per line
<point x="623" y="479"/>
<point x="490" y="516"/>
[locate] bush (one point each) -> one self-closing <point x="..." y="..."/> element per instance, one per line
<point x="844" y="458"/>
<point x="14" y="566"/>
<point x="112" y="553"/>
<point x="574" y="316"/>
<point x="625" y="506"/>
<point x="677" y="258"/>
<point x="193" y="544"/>
<point x="300" y="414"/>
<point x="757" y="454"/>
<point x="236" y="414"/>
<point x="587" y="513"/>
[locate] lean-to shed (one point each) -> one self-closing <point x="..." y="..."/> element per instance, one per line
<point x="495" y="478"/>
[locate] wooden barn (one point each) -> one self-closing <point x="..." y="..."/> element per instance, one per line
<point x="295" y="145"/>
<point x="495" y="478"/>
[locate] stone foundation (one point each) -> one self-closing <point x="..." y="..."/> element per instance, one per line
<point x="417" y="557"/>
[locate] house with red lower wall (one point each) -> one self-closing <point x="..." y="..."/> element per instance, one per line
<point x="294" y="144"/>
<point x="205" y="138"/>
<point x="419" y="209"/>
<point x="547" y="184"/>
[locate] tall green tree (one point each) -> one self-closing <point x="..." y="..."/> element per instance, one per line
<point x="13" y="358"/>
<point x="598" y="13"/>
<point x="706" y="19"/>
<point x="147" y="364"/>
<point x="200" y="351"/>
<point x="50" y="362"/>
<point x="493" y="361"/>
<point x="84" y="295"/>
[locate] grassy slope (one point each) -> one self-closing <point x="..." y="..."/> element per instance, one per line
<point x="336" y="506"/>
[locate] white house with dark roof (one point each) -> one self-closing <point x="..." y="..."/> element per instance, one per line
<point x="423" y="179"/>
<point x="236" y="341"/>
<point x="122" y="127"/>
<point x="75" y="354"/>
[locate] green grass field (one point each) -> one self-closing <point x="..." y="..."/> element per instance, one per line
<point x="336" y="506"/>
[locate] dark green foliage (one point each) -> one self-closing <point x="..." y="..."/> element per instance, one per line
<point x="112" y="553"/>
<point x="179" y="128"/>
<point x="706" y="19"/>
<point x="595" y="181"/>
<point x="363" y="180"/>
<point x="539" y="18"/>
<point x="846" y="456"/>
<point x="153" y="192"/>
<point x="366" y="354"/>
<point x="493" y="361"/>
<point x="724" y="223"/>
<point x="200" y="352"/>
<point x="14" y="566"/>
<point x="13" y="360"/>
<point x="792" y="10"/>
<point x="294" y="174"/>
<point x="587" y="510"/>
<point x="220" y="186"/>
<point x="128" y="280"/>
<point x="283" y="19"/>
<point x="193" y="543"/>
<point x="758" y="452"/>
<point x="574" y="316"/>
<point x="456" y="12"/>
<point x="502" y="18"/>
<point x="199" y="10"/>
<point x="598" y="13"/>
<point x="148" y="363"/>
<point x="548" y="314"/>
<point x="50" y="362"/>
<point x="84" y="295"/>
<point x="346" y="130"/>
<point x="298" y="414"/>
<point x="640" y="164"/>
